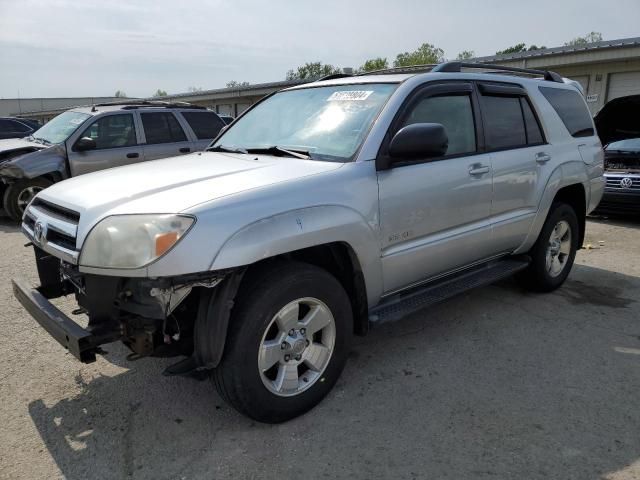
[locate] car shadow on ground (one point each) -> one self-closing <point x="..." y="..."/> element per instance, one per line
<point x="7" y="225"/>
<point x="494" y="383"/>
<point x="618" y="220"/>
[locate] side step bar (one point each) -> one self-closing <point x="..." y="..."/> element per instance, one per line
<point x="410" y="301"/>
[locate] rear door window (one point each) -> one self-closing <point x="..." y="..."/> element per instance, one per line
<point x="162" y="127"/>
<point x="534" y="132"/>
<point x="503" y="122"/>
<point x="205" y="125"/>
<point x="570" y="107"/>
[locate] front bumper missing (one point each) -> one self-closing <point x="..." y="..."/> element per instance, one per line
<point x="81" y="343"/>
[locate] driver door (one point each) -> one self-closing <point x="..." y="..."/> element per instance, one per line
<point x="435" y="212"/>
<point x="117" y="144"/>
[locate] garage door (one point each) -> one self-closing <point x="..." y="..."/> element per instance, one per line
<point x="623" y="84"/>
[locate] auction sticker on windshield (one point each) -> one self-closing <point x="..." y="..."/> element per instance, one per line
<point x="350" y="95"/>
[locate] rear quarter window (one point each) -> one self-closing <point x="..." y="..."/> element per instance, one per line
<point x="570" y="107"/>
<point x="206" y="125"/>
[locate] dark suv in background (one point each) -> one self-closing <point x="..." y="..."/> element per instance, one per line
<point x="12" y="127"/>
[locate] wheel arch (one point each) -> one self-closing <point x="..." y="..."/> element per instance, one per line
<point x="566" y="184"/>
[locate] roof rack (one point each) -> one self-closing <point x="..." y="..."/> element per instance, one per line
<point x="149" y="103"/>
<point x="427" y="67"/>
<point x="335" y="75"/>
<point x="456" y="66"/>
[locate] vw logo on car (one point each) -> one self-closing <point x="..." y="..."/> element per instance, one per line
<point x="626" y="182"/>
<point x="40" y="232"/>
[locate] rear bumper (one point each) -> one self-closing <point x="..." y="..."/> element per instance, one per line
<point x="81" y="343"/>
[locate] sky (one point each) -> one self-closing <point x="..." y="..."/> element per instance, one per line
<point x="57" y="48"/>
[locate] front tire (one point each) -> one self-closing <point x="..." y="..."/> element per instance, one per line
<point x="288" y="340"/>
<point x="554" y="252"/>
<point x="18" y="195"/>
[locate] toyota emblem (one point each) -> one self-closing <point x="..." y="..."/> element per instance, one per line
<point x="626" y="182"/>
<point x="39" y="232"/>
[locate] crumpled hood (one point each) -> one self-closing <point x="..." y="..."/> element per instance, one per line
<point x="619" y="119"/>
<point x="175" y="184"/>
<point x="12" y="146"/>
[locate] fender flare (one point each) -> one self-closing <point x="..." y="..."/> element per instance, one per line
<point x="567" y="174"/>
<point x="302" y="228"/>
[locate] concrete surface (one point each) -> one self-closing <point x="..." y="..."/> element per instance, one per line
<point x="496" y="383"/>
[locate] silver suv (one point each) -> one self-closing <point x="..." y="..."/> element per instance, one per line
<point x="86" y="139"/>
<point x="324" y="209"/>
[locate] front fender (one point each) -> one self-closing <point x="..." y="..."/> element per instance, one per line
<point x="303" y="228"/>
<point x="36" y="164"/>
<point x="569" y="173"/>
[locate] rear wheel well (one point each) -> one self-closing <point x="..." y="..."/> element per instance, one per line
<point x="340" y="260"/>
<point x="574" y="195"/>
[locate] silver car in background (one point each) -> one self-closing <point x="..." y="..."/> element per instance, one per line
<point x="88" y="139"/>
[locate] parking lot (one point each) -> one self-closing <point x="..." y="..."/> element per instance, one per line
<point x="495" y="383"/>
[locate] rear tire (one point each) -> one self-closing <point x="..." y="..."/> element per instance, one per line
<point x="555" y="250"/>
<point x="18" y="195"/>
<point x="288" y="340"/>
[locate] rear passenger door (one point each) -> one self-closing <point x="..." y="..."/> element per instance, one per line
<point x="514" y="137"/>
<point x="164" y="136"/>
<point x="205" y="126"/>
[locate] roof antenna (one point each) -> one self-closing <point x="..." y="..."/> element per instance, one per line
<point x="93" y="108"/>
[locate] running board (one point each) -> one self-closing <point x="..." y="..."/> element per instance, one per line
<point x="410" y="301"/>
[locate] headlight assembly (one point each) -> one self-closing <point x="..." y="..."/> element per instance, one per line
<point x="132" y="241"/>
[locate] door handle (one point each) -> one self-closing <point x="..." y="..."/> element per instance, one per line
<point x="133" y="155"/>
<point x="478" y="169"/>
<point x="184" y="150"/>
<point x="542" y="158"/>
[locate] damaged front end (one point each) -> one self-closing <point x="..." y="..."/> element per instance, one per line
<point x="152" y="317"/>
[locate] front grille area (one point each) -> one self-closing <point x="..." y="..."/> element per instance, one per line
<point x="52" y="228"/>
<point x="57" y="211"/>
<point x="614" y="182"/>
<point x="61" y="239"/>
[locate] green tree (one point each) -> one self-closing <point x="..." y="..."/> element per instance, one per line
<point x="236" y="84"/>
<point x="424" y="55"/>
<point x="120" y="94"/>
<point x="535" y="47"/>
<point x="588" y="38"/>
<point x="160" y="93"/>
<point x="517" y="48"/>
<point x="312" y="70"/>
<point x="466" y="55"/>
<point x="372" y="64"/>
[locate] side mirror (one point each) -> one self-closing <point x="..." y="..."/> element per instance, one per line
<point x="84" y="144"/>
<point x="419" y="140"/>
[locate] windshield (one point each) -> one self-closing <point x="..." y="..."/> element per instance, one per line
<point x="327" y="123"/>
<point x="59" y="128"/>
<point x="629" y="145"/>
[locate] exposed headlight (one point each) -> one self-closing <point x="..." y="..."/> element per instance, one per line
<point x="132" y="241"/>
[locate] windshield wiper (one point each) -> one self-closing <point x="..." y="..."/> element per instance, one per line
<point x="275" y="149"/>
<point x="222" y="148"/>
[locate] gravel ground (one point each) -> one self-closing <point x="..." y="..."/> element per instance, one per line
<point x="496" y="383"/>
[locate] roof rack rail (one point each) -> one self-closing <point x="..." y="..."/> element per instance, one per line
<point x="335" y="75"/>
<point x="408" y="69"/>
<point x="456" y="66"/>
<point x="149" y="103"/>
